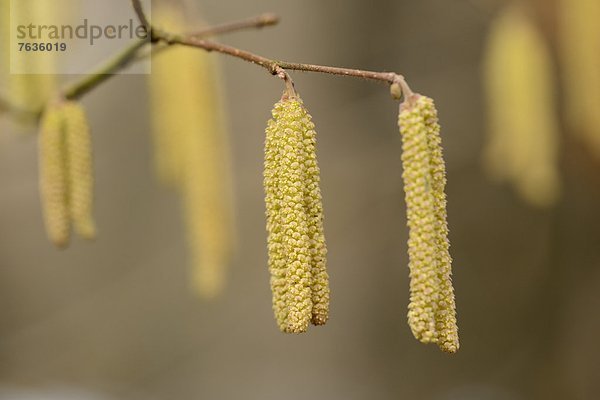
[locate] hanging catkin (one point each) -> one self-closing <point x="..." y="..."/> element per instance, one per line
<point x="579" y="32"/>
<point x="432" y="311"/>
<point x="66" y="176"/>
<point x="53" y="176"/>
<point x="296" y="242"/>
<point x="33" y="81"/>
<point x="80" y="174"/>
<point x="191" y="151"/>
<point x="522" y="143"/>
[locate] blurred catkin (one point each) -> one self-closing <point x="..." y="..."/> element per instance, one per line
<point x="522" y="142"/>
<point x="30" y="89"/>
<point x="80" y="173"/>
<point x="4" y="46"/>
<point x="192" y="150"/>
<point x="296" y="241"/>
<point x="580" y="59"/>
<point x="53" y="176"/>
<point x="66" y="176"/>
<point x="432" y="310"/>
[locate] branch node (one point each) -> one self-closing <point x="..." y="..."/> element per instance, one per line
<point x="290" y="91"/>
<point x="400" y="88"/>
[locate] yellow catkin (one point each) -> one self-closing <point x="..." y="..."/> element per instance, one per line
<point x="53" y="176"/>
<point x="522" y="143"/>
<point x="431" y="311"/>
<point x="191" y="151"/>
<point x="167" y="86"/>
<point x="80" y="169"/>
<point x="296" y="241"/>
<point x="314" y="208"/>
<point x="4" y="46"/>
<point x="579" y="33"/>
<point x="30" y="90"/>
<point x="276" y="252"/>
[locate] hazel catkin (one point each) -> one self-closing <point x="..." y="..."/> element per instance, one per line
<point x="579" y="34"/>
<point x="80" y="169"/>
<point x="36" y="80"/>
<point x="296" y="242"/>
<point x="192" y="151"/>
<point x="432" y="311"/>
<point x="66" y="176"/>
<point x="523" y="138"/>
<point x="53" y="176"/>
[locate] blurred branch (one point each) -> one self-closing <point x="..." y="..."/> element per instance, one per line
<point x="261" y="21"/>
<point x="120" y="61"/>
<point x="139" y="11"/>
<point x="269" y="64"/>
<point x="132" y="54"/>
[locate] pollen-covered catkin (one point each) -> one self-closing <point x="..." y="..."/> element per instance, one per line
<point x="314" y="208"/>
<point x="53" y="176"/>
<point x="522" y="143"/>
<point x="192" y="151"/>
<point x="579" y="33"/>
<point x="296" y="242"/>
<point x="80" y="172"/>
<point x="432" y="311"/>
<point x="446" y="315"/>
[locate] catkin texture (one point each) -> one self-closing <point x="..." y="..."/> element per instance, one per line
<point x="80" y="173"/>
<point x="296" y="241"/>
<point x="522" y="143"/>
<point x="314" y="208"/>
<point x="432" y="310"/>
<point x="579" y="33"/>
<point x="53" y="176"/>
<point x="191" y="152"/>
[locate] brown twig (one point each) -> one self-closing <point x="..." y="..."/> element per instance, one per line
<point x="132" y="54"/>
<point x="261" y="21"/>
<point x="269" y="64"/>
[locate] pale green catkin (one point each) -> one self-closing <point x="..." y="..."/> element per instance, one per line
<point x="53" y="176"/>
<point x="296" y="242"/>
<point x="66" y="176"/>
<point x="432" y="311"/>
<point x="80" y="169"/>
<point x="192" y="151"/>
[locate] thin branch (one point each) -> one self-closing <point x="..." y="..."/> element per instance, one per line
<point x="269" y="64"/>
<point x="261" y="21"/>
<point x="89" y="82"/>
<point x="139" y="11"/>
<point x="131" y="54"/>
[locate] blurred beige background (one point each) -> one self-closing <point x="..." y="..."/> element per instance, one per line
<point x="116" y="317"/>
